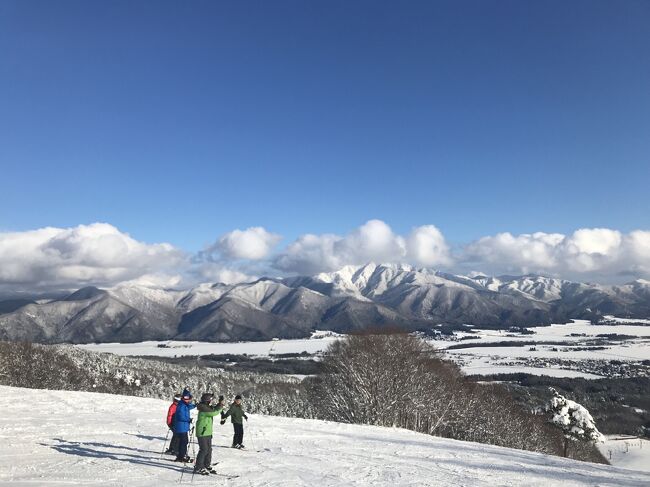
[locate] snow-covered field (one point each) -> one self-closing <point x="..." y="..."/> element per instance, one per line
<point x="179" y="349"/>
<point x="80" y="438"/>
<point x="542" y="360"/>
<point x="487" y="365"/>
<point x="614" y="319"/>
<point x="575" y="332"/>
<point x="568" y="343"/>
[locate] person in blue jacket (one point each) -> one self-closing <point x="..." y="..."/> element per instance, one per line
<point x="181" y="425"/>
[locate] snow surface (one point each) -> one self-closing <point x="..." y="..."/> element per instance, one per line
<point x="175" y="348"/>
<point x="556" y="332"/>
<point x="483" y="366"/>
<point x="637" y="351"/>
<point x="494" y="359"/>
<point x="474" y="360"/>
<point x="625" y="320"/>
<point x="82" y="438"/>
<point x="627" y="452"/>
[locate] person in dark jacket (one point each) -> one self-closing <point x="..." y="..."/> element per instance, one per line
<point x="173" y="445"/>
<point x="207" y="411"/>
<point x="181" y="424"/>
<point x="236" y="413"/>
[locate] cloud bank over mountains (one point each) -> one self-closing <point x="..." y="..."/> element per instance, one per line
<point x="598" y="253"/>
<point x="102" y="255"/>
<point x="374" y="241"/>
<point x="98" y="253"/>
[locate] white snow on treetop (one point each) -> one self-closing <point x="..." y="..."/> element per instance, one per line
<point x="574" y="419"/>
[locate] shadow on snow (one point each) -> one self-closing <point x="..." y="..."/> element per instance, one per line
<point x="100" y="450"/>
<point x="148" y="437"/>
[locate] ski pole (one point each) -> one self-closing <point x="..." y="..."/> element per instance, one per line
<point x="192" y="442"/>
<point x="164" y="445"/>
<point x="182" y="472"/>
<point x="193" y="453"/>
<point x="189" y="438"/>
<point x="250" y="434"/>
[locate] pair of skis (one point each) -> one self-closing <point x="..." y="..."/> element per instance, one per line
<point x="227" y="476"/>
<point x="241" y="449"/>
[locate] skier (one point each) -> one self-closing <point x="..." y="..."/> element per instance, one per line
<point x="173" y="445"/>
<point x="236" y="413"/>
<point x="207" y="411"/>
<point x="181" y="425"/>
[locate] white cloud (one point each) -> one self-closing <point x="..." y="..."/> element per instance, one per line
<point x="374" y="241"/>
<point x="216" y="272"/>
<point x="639" y="243"/>
<point x="426" y="246"/>
<point x="157" y="281"/>
<point x="595" y="241"/>
<point x="598" y="253"/>
<point x="310" y="254"/>
<point x="87" y="254"/>
<point x="254" y="243"/>
<point x="99" y="254"/>
<point x="522" y="253"/>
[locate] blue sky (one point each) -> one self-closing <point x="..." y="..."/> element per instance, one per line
<point x="181" y="121"/>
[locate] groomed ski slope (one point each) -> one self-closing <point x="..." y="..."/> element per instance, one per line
<point x="80" y="438"/>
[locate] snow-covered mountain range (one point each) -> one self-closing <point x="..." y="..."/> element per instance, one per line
<point x="352" y="298"/>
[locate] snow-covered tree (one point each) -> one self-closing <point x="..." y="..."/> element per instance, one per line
<point x="573" y="419"/>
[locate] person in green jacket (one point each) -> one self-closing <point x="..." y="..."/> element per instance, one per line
<point x="207" y="411"/>
<point x="236" y="413"/>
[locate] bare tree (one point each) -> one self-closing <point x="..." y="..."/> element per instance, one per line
<point x="396" y="379"/>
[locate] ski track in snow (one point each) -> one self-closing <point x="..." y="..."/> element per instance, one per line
<point x="80" y="438"/>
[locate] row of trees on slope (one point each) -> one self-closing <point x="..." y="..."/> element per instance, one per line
<point x="66" y="367"/>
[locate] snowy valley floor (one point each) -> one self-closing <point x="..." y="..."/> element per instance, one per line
<point x="78" y="438"/>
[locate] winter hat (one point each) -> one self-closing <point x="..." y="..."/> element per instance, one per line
<point x="186" y="394"/>
<point x="207" y="397"/>
<point x="237" y="397"/>
<point x="177" y="397"/>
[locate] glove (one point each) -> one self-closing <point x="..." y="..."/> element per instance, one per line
<point x="221" y="398"/>
<point x="245" y="417"/>
<point x="222" y="422"/>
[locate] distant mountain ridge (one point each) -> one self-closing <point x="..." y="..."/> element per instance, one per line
<point x="352" y="298"/>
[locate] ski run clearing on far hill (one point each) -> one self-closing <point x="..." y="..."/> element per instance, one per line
<point x="80" y="438"/>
